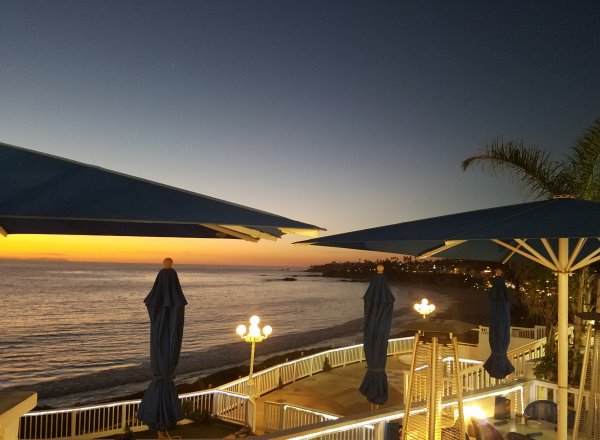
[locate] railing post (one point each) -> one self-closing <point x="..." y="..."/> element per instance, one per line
<point x="533" y="392"/>
<point x="215" y="404"/>
<point x="74" y="424"/>
<point x="379" y="431"/>
<point x="282" y="423"/>
<point x="251" y="418"/>
<point x="294" y="373"/>
<point x="124" y="417"/>
<point x="281" y="416"/>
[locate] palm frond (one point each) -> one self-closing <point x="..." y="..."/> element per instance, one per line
<point x="584" y="164"/>
<point x="540" y="175"/>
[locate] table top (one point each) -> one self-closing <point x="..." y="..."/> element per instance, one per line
<point x="547" y="430"/>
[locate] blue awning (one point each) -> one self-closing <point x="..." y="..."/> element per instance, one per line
<point x="482" y="234"/>
<point x="44" y="194"/>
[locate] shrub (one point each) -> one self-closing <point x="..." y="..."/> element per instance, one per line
<point x="197" y="415"/>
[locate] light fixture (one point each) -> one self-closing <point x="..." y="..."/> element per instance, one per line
<point x="252" y="336"/>
<point x="424" y="307"/>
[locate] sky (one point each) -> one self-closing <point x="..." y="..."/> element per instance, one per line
<point x="344" y="114"/>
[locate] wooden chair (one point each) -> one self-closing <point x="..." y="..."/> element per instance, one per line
<point x="485" y="431"/>
<point x="517" y="436"/>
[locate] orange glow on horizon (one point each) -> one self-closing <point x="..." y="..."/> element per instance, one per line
<point x="182" y="250"/>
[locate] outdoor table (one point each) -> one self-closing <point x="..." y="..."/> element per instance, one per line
<point x="540" y="429"/>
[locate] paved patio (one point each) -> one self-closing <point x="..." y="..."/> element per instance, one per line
<point x="335" y="391"/>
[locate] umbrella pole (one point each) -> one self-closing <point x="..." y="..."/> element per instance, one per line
<point x="563" y="339"/>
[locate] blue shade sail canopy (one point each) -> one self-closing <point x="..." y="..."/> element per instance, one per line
<point x="482" y="234"/>
<point x="379" y="308"/>
<point x="561" y="234"/>
<point x="498" y="365"/>
<point x="43" y="194"/>
<point x="160" y="407"/>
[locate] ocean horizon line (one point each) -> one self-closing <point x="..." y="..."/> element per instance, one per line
<point x="157" y="263"/>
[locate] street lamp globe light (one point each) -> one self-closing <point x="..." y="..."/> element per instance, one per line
<point x="424" y="307"/>
<point x="253" y="335"/>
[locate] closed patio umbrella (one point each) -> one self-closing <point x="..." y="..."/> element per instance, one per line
<point x="160" y="408"/>
<point x="498" y="365"/>
<point x="379" y="308"/>
<point x="560" y="234"/>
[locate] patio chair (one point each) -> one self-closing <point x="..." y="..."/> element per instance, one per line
<point x="517" y="436"/>
<point x="485" y="431"/>
<point x="542" y="410"/>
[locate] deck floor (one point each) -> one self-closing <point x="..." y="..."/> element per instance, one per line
<point x="335" y="391"/>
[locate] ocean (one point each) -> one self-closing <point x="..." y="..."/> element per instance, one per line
<point x="79" y="332"/>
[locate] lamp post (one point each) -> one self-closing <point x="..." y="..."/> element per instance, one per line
<point x="253" y="336"/>
<point x="424" y="307"/>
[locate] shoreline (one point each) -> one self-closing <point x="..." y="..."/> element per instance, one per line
<point x="227" y="362"/>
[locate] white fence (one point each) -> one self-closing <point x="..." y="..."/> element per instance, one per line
<point x="537" y="332"/>
<point x="229" y="403"/>
<point x="272" y="378"/>
<point x="475" y="380"/>
<point x="113" y="418"/>
<point x="281" y="416"/>
<point x="367" y="426"/>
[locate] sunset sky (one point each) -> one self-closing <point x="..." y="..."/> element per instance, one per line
<point x="343" y="114"/>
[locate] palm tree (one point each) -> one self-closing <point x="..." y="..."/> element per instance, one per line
<point x="578" y="175"/>
<point x="535" y="171"/>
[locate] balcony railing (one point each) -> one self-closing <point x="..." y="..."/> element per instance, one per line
<point x="279" y="416"/>
<point x="113" y="418"/>
<point x="228" y="402"/>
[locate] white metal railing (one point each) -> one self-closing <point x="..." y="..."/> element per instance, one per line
<point x="280" y="416"/>
<point x="537" y="332"/>
<point x="475" y="379"/>
<point x="540" y="390"/>
<point x="367" y="426"/>
<point x="272" y="378"/>
<point x="309" y="423"/>
<point x="227" y="402"/>
<point x="113" y="418"/>
<point x="521" y="357"/>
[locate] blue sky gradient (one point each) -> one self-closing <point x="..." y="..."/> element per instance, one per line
<point x="345" y="114"/>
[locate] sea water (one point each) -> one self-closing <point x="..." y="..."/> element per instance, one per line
<point x="79" y="332"/>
